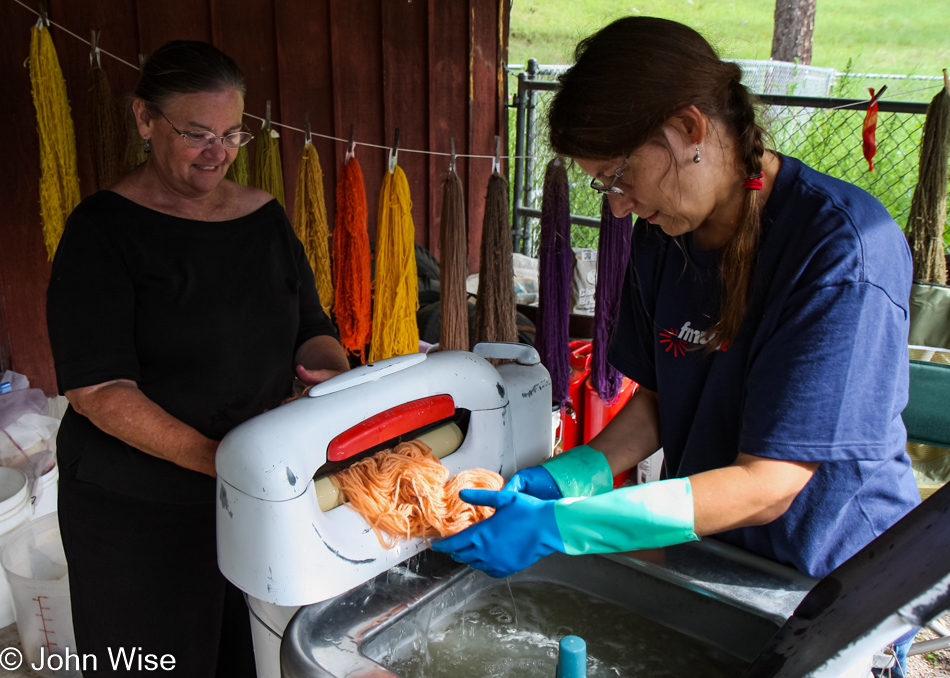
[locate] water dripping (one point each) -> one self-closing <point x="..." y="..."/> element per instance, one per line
<point x="513" y="604"/>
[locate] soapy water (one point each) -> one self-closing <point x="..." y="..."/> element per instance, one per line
<point x="487" y="637"/>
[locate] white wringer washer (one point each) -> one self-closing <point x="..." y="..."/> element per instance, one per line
<point x="282" y="536"/>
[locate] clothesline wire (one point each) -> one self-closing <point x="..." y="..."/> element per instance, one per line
<point x="385" y="148"/>
<point x="362" y="143"/>
<point x="277" y="124"/>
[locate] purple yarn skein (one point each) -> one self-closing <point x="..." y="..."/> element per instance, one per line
<point x="556" y="264"/>
<point x="613" y="252"/>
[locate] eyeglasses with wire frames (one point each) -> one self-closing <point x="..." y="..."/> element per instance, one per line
<point x="204" y="139"/>
<point x="606" y="189"/>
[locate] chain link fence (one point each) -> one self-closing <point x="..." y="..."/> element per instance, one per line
<point x="822" y="131"/>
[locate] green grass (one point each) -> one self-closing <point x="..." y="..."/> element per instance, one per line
<point x="878" y="36"/>
<point x="871" y="36"/>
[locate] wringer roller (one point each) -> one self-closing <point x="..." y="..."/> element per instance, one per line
<point x="282" y="536"/>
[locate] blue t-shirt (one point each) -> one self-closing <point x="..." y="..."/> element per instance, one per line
<point x="818" y="371"/>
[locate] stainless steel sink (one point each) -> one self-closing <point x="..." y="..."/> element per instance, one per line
<point x="717" y="596"/>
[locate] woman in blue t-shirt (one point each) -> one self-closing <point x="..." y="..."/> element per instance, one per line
<point x="764" y="316"/>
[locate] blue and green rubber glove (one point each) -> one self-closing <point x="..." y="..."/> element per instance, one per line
<point x="579" y="472"/>
<point x="524" y="528"/>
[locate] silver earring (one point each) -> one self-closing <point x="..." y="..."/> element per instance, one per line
<point x="696" y="157"/>
<point x="148" y="146"/>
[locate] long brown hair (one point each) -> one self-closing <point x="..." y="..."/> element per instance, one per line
<point x="627" y="81"/>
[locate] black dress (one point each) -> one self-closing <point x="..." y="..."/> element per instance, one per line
<point x="206" y="318"/>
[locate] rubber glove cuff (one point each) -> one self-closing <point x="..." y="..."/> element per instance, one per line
<point x="638" y="517"/>
<point x="536" y="481"/>
<point x="580" y="472"/>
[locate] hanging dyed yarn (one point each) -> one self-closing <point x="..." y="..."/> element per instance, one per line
<point x="351" y="261"/>
<point x="310" y="222"/>
<point x="105" y="134"/>
<point x="613" y="252"/>
<point x="59" y="182"/>
<point x="268" y="174"/>
<point x="928" y="209"/>
<point x="453" y="266"/>
<point x="495" y="314"/>
<point x="239" y="172"/>
<point x="396" y="298"/>
<point x="556" y="263"/>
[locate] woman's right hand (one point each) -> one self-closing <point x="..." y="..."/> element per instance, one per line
<point x="536" y="481"/>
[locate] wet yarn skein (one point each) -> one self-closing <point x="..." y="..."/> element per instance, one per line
<point x="239" y="171"/>
<point x="556" y="263"/>
<point x="613" y="252"/>
<point x="495" y="310"/>
<point x="453" y="266"/>
<point x="59" y="181"/>
<point x="310" y="222"/>
<point x="268" y="173"/>
<point x="351" y="261"/>
<point x="105" y="135"/>
<point x="396" y="298"/>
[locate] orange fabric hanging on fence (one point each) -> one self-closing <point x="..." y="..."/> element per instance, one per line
<point x="396" y="298"/>
<point x="869" y="130"/>
<point x="351" y="259"/>
<point x="59" y="181"/>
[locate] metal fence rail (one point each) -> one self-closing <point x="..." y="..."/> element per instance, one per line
<point x="823" y="132"/>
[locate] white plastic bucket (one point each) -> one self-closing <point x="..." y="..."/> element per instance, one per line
<point x="267" y="621"/>
<point x="35" y="565"/>
<point x="45" y="491"/>
<point x="15" y="511"/>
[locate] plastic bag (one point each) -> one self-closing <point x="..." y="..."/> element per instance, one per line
<point x="27" y="432"/>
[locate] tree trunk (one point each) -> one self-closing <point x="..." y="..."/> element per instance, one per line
<point x="794" y="27"/>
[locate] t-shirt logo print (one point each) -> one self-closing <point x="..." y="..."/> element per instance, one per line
<point x="678" y="340"/>
<point x="673" y="342"/>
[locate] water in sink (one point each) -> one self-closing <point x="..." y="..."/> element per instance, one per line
<point x="514" y="630"/>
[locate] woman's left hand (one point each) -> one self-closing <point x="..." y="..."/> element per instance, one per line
<point x="521" y="532"/>
<point x="311" y="377"/>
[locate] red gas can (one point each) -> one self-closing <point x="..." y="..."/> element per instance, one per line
<point x="572" y="413"/>
<point x="597" y="414"/>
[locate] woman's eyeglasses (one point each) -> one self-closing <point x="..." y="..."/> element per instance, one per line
<point x="205" y="139"/>
<point x="605" y="189"/>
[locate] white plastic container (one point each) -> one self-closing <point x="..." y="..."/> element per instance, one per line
<point x="35" y="565"/>
<point x="268" y="622"/>
<point x="45" y="491"/>
<point x="15" y="511"/>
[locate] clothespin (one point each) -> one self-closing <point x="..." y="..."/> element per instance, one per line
<point x="452" y="155"/>
<point x="94" y="48"/>
<point x="306" y="118"/>
<point x="267" y="117"/>
<point x="394" y="152"/>
<point x="496" y="161"/>
<point x="44" y="16"/>
<point x="351" y="148"/>
<point x="874" y="99"/>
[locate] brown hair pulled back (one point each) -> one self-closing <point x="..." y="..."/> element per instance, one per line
<point x="627" y="81"/>
<point x="185" y="67"/>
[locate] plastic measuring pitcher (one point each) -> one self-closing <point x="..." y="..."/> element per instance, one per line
<point x="15" y="512"/>
<point x="35" y="565"/>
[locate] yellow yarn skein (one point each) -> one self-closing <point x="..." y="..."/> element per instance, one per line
<point x="395" y="331"/>
<point x="59" y="181"/>
<point x="268" y="175"/>
<point x="310" y="222"/>
<point x="239" y="172"/>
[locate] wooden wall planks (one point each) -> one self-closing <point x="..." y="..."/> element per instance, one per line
<point x="429" y="67"/>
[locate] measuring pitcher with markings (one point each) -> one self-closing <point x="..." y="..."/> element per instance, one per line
<point x="35" y="566"/>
